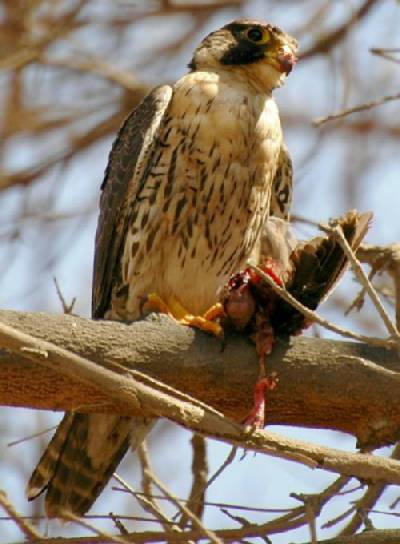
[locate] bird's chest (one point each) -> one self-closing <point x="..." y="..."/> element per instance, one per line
<point x="221" y="123"/>
<point x="224" y="150"/>
<point x="228" y="152"/>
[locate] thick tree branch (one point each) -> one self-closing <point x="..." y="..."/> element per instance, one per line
<point x="159" y="346"/>
<point x="345" y="386"/>
<point x="382" y="536"/>
<point x="373" y="536"/>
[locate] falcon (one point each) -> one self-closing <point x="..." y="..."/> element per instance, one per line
<point x="193" y="175"/>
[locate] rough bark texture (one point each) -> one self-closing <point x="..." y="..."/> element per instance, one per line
<point x="344" y="386"/>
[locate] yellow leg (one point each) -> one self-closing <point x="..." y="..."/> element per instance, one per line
<point x="174" y="308"/>
<point x="217" y="310"/>
<point x="156" y="304"/>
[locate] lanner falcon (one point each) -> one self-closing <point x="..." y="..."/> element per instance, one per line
<point x="194" y="173"/>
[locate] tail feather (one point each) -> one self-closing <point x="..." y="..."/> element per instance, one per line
<point x="46" y="467"/>
<point x="80" y="459"/>
<point x="82" y="474"/>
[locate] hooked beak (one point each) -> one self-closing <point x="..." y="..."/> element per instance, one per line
<point x="286" y="60"/>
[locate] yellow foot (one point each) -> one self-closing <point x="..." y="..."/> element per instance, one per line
<point x="174" y="308"/>
<point x="154" y="303"/>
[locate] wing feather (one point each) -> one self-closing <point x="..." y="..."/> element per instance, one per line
<point x="86" y="448"/>
<point x="127" y="161"/>
<point x="282" y="187"/>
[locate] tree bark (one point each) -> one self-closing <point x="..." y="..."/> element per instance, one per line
<point x="345" y="386"/>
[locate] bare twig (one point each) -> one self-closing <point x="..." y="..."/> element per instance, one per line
<point x="384" y="258"/>
<point x="150" y="506"/>
<point x="31" y="436"/>
<point x="196" y="501"/>
<point x="197" y="523"/>
<point x="229" y="460"/>
<point x="118" y="524"/>
<point x="143" y="457"/>
<point x="339" y="518"/>
<point x="314" y="317"/>
<point x="371" y="536"/>
<point x="98" y="67"/>
<point x="358" y="301"/>
<point x="312" y="511"/>
<point x="387" y="53"/>
<point x="67" y="308"/>
<point x="228" y="506"/>
<point x="367" y="501"/>
<point x="67" y="515"/>
<point x="331" y="39"/>
<point x="363" y="278"/>
<point x="25" y="527"/>
<point x="355" y="109"/>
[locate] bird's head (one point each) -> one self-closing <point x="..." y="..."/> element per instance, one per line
<point x="259" y="51"/>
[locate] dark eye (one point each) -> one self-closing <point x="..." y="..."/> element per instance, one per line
<point x="255" y="35"/>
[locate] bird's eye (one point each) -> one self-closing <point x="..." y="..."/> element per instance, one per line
<point x="257" y="35"/>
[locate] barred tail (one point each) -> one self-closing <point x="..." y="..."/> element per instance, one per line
<point x="46" y="467"/>
<point x="80" y="459"/>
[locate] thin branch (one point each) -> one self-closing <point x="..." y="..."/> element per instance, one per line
<point x="372" y="536"/>
<point x="24" y="526"/>
<point x="355" y="109"/>
<point x="31" y="436"/>
<point x="384" y="258"/>
<point x="228" y="461"/>
<point x="150" y="506"/>
<point x="67" y="515"/>
<point x="226" y="505"/>
<point x="97" y="67"/>
<point x="197" y="523"/>
<point x="314" y="317"/>
<point x="331" y="39"/>
<point x="196" y="501"/>
<point x="386" y="53"/>
<point x="358" y="301"/>
<point x="363" y="278"/>
<point x="293" y="519"/>
<point x="312" y="510"/>
<point x="118" y="524"/>
<point x="367" y="501"/>
<point x="147" y="498"/>
<point x="338" y="518"/>
<point x="67" y="308"/>
<point x="143" y="457"/>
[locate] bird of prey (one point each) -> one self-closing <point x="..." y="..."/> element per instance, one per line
<point x="194" y="173"/>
